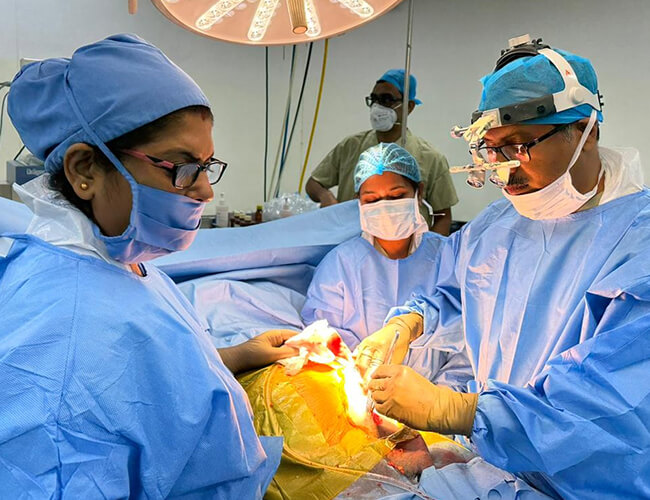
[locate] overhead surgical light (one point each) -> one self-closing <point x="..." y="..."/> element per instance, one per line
<point x="272" y="22"/>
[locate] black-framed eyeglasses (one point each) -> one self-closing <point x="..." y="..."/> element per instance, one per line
<point x="519" y="152"/>
<point x="184" y="174"/>
<point x="386" y="100"/>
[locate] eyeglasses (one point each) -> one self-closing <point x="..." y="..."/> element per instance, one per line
<point x="386" y="100"/>
<point x="519" y="152"/>
<point x="184" y="174"/>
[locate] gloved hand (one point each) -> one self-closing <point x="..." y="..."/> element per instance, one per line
<point x="257" y="352"/>
<point x="401" y="393"/>
<point x="374" y="348"/>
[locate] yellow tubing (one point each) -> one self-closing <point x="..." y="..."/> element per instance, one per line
<point x="313" y="126"/>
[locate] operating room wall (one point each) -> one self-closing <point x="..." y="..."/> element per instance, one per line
<point x="454" y="44"/>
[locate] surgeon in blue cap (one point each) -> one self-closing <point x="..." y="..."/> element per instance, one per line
<point x="109" y="383"/>
<point x="395" y="256"/>
<point x="551" y="287"/>
<point x="385" y="103"/>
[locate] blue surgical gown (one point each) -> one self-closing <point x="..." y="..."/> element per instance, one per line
<point x="556" y="318"/>
<point x="355" y="286"/>
<point x="110" y="387"/>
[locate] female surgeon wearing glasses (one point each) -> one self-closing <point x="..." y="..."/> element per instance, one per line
<point x="395" y="256"/>
<point x="109" y="384"/>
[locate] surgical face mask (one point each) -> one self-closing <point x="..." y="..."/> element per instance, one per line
<point x="560" y="198"/>
<point x="392" y="220"/>
<point x="382" y="119"/>
<point x="161" y="223"/>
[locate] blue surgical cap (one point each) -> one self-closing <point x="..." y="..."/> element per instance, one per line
<point x="118" y="84"/>
<point x="533" y="77"/>
<point x="396" y="78"/>
<point x="385" y="157"/>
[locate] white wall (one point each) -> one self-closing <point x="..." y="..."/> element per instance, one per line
<point x="455" y="43"/>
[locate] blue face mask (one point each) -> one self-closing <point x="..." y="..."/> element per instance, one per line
<point x="161" y="223"/>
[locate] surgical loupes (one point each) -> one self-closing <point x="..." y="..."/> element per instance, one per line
<point x="476" y="171"/>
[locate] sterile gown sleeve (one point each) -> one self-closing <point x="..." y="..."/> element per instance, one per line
<point x="455" y="373"/>
<point x="587" y="412"/>
<point x="442" y="311"/>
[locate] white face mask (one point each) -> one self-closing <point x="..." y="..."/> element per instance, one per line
<point x="560" y="198"/>
<point x="392" y="220"/>
<point x="382" y="119"/>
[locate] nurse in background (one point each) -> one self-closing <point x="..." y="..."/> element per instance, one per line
<point x="393" y="258"/>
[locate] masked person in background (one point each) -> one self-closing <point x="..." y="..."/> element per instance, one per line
<point x="109" y="382"/>
<point x="385" y="103"/>
<point x="551" y="286"/>
<point x="395" y="256"/>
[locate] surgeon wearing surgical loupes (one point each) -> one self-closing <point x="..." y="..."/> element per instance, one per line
<point x="551" y="288"/>
<point x="109" y="382"/>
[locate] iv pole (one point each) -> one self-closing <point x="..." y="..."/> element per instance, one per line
<point x="407" y="74"/>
